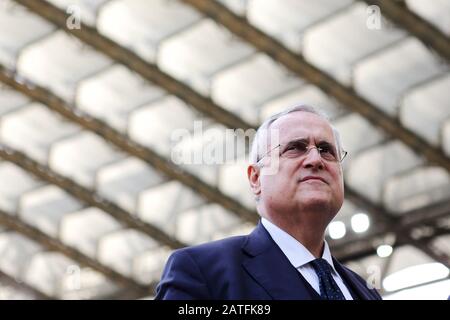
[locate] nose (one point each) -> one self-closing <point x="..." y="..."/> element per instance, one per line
<point x="313" y="160"/>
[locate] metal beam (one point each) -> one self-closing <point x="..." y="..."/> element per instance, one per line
<point x="299" y="66"/>
<point x="365" y="249"/>
<point x="9" y="220"/>
<point x="399" y="14"/>
<point x="23" y="287"/>
<point x="408" y="221"/>
<point x="390" y="221"/>
<point x="89" y="197"/>
<point x="134" y="62"/>
<point x="427" y="214"/>
<point x="364" y="245"/>
<point x="121" y="141"/>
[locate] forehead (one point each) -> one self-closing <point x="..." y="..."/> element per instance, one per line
<point x="303" y="124"/>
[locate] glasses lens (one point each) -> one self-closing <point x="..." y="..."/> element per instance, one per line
<point x="328" y="152"/>
<point x="298" y="148"/>
<point x="295" y="149"/>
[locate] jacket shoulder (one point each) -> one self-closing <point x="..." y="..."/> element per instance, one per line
<point x="195" y="272"/>
<point x="221" y="246"/>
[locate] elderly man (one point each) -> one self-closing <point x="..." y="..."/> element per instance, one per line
<point x="296" y="177"/>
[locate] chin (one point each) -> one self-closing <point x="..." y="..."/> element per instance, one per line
<point x="314" y="197"/>
<point x="316" y="205"/>
<point x="316" y="202"/>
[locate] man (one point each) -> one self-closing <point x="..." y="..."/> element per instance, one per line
<point x="296" y="177"/>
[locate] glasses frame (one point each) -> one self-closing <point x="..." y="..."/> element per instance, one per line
<point x="340" y="160"/>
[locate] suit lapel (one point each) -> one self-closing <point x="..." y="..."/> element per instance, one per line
<point x="267" y="264"/>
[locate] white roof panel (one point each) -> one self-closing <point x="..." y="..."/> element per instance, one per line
<point x="357" y="134"/>
<point x="159" y="124"/>
<point x="33" y="130"/>
<point x="10" y="100"/>
<point x="58" y="62"/>
<point x="46" y="271"/>
<point x="233" y="182"/>
<point x="73" y="157"/>
<point x="308" y="95"/>
<point x="148" y="267"/>
<point x="287" y="20"/>
<point x="237" y="6"/>
<point x="417" y="189"/>
<point x="338" y="43"/>
<point x="371" y="168"/>
<point x="17" y="252"/>
<point x="141" y="24"/>
<point x="195" y="54"/>
<point x="123" y="181"/>
<point x="118" y="249"/>
<point x="425" y="109"/>
<point x="200" y="224"/>
<point x="19" y="182"/>
<point x="161" y="205"/>
<point x="112" y="94"/>
<point x="385" y="86"/>
<point x="446" y="137"/>
<point x="436" y="12"/>
<point x="83" y="229"/>
<point x="84" y="283"/>
<point x="15" y="25"/>
<point x="44" y="208"/>
<point x="84" y="9"/>
<point x="241" y="89"/>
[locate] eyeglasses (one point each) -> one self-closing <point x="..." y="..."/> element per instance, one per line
<point x="299" y="147"/>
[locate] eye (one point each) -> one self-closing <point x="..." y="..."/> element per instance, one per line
<point x="327" y="149"/>
<point x="299" y="146"/>
<point x="290" y="146"/>
<point x="296" y="148"/>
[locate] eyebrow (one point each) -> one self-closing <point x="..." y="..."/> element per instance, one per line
<point x="306" y="140"/>
<point x="324" y="142"/>
<point x="297" y="140"/>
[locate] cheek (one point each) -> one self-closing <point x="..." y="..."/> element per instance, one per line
<point x="277" y="185"/>
<point x="338" y="182"/>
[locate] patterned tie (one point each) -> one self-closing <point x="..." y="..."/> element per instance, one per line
<point x="329" y="290"/>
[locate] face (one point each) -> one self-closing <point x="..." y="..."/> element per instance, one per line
<point x="307" y="183"/>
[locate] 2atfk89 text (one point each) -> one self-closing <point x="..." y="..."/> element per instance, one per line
<point x="207" y="311"/>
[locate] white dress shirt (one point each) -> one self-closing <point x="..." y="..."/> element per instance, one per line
<point x="300" y="257"/>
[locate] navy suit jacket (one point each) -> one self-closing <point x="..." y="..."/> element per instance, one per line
<point x="244" y="267"/>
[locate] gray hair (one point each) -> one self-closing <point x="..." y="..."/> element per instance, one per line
<point x="261" y="138"/>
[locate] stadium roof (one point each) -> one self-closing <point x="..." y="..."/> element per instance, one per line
<point x="92" y="199"/>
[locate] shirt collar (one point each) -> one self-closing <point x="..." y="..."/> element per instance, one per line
<point x="297" y="254"/>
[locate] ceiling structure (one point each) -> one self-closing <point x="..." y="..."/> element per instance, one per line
<point x="93" y="199"/>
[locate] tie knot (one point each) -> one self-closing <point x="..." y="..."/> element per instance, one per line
<point x="321" y="265"/>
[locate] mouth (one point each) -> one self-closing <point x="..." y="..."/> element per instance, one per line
<point x="312" y="178"/>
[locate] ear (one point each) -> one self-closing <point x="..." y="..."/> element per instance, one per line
<point x="253" y="174"/>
